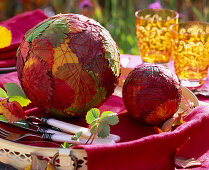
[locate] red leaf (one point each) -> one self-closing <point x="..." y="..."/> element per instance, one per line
<point x="12" y="111"/>
<point x="44" y="50"/>
<point x="75" y="24"/>
<point x="36" y="82"/>
<point x="87" y="45"/>
<point x="20" y="65"/>
<point x="24" y="49"/>
<point x="63" y="95"/>
<point x="81" y="82"/>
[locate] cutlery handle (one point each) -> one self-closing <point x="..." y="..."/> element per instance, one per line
<point x="67" y="138"/>
<point x="70" y="128"/>
<point x="59" y="138"/>
<point x="47" y="130"/>
<point x="66" y="127"/>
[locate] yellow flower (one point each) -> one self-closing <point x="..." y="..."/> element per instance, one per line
<point x="5" y="37"/>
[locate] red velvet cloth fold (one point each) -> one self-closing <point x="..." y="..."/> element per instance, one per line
<point x="18" y="26"/>
<point x="153" y="151"/>
<point x="140" y="147"/>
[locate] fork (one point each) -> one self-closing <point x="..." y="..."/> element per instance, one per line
<point x="11" y="136"/>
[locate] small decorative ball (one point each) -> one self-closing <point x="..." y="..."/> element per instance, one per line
<point x="68" y="64"/>
<point x="152" y="94"/>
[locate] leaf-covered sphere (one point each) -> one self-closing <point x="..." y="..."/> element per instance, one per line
<point x="152" y="94"/>
<point x="68" y="64"/>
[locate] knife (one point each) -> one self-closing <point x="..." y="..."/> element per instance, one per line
<point x="55" y="136"/>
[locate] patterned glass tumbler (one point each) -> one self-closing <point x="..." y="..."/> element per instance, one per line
<point x="190" y="52"/>
<point x="153" y="34"/>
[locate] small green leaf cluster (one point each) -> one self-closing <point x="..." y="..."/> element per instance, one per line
<point x="100" y="124"/>
<point x="65" y="145"/>
<point x="14" y="93"/>
<point x="77" y="136"/>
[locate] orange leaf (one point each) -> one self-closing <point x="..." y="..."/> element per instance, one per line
<point x="62" y="55"/>
<point x="157" y="130"/>
<point x="179" y="120"/>
<point x="80" y="80"/>
<point x="167" y="125"/>
<point x="12" y="111"/>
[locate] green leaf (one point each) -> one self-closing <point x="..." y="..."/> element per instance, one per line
<point x="111" y="52"/>
<point x="107" y="113"/>
<point x="109" y="118"/>
<point x="77" y="136"/>
<point x="37" y="31"/>
<point x="3" y="94"/>
<point x="22" y="101"/>
<point x="65" y="145"/>
<point x="22" y="123"/>
<point x="14" y="89"/>
<point x="56" y="32"/>
<point x="105" y="131"/>
<point x="92" y="115"/>
<point x="93" y="128"/>
<point x="2" y="118"/>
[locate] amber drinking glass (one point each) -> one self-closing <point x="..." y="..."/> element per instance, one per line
<point x="190" y="51"/>
<point x="153" y="34"/>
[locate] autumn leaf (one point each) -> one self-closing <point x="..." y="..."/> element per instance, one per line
<point x="83" y="85"/>
<point x="76" y="25"/>
<point x="38" y="164"/>
<point x="167" y="125"/>
<point x="56" y="32"/>
<point x="157" y="130"/>
<point x="24" y="49"/>
<point x="36" y="31"/>
<point x="179" y="120"/>
<point x="44" y="50"/>
<point x="12" y="111"/>
<point x="62" y="55"/>
<point x="20" y="65"/>
<point x="63" y="95"/>
<point x="174" y="121"/>
<point x="87" y="45"/>
<point x="36" y="82"/>
<point x="111" y="51"/>
<point x="187" y="163"/>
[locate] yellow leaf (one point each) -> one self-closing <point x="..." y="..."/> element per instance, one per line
<point x="179" y="120"/>
<point x="6" y="37"/>
<point x="62" y="55"/>
<point x="50" y="167"/>
<point x="28" y="167"/>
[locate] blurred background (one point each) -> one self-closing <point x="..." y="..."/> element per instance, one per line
<point x="117" y="16"/>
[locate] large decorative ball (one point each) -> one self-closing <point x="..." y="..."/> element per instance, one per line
<point x="152" y="94"/>
<point x="68" y="64"/>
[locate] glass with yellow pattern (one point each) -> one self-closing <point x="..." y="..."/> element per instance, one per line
<point x="190" y="52"/>
<point x="153" y="34"/>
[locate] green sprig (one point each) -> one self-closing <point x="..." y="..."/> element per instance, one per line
<point x="100" y="124"/>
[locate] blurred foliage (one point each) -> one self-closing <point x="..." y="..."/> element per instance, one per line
<point x="117" y="16"/>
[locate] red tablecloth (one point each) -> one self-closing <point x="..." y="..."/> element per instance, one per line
<point x="140" y="147"/>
